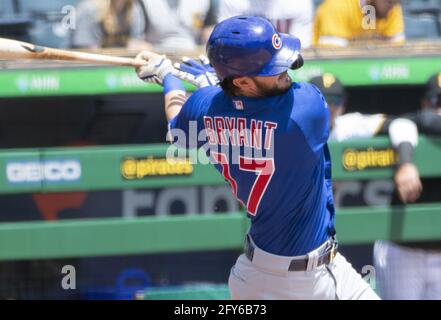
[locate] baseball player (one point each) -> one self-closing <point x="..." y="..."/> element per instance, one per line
<point x="267" y="137"/>
<point x="404" y="270"/>
<point x="412" y="270"/>
<point x="403" y="133"/>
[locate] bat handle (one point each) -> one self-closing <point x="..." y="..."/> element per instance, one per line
<point x="136" y="63"/>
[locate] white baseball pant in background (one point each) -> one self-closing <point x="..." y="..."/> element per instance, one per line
<point x="407" y="273"/>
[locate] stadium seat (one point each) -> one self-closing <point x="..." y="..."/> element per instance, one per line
<point x="6" y="7"/>
<point x="45" y="5"/>
<point x="128" y="283"/>
<point x="421" y="26"/>
<point x="413" y="4"/>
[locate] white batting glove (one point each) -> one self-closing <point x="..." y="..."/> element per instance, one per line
<point x="200" y="73"/>
<point x="155" y="69"/>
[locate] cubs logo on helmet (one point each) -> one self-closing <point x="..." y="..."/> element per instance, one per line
<point x="277" y="41"/>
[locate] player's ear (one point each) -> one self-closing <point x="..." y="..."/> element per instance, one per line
<point x="242" y="82"/>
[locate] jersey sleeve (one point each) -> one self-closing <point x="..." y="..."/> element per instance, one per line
<point x="403" y="130"/>
<point x="185" y="127"/>
<point x="356" y="125"/>
<point x="312" y="116"/>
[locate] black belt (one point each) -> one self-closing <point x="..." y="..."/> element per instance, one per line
<point x="326" y="257"/>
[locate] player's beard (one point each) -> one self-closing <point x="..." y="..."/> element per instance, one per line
<point x="282" y="85"/>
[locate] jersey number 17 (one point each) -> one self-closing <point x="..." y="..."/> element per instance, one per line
<point x="264" y="169"/>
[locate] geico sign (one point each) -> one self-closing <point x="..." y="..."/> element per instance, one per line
<point x="34" y="171"/>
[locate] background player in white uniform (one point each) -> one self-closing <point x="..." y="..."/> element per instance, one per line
<point x="404" y="271"/>
<point x="292" y="17"/>
<point x="403" y="133"/>
<point x="412" y="270"/>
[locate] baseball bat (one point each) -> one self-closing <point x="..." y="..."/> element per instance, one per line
<point x="13" y="50"/>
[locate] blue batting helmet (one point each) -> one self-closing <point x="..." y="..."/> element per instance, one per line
<point x="251" y="46"/>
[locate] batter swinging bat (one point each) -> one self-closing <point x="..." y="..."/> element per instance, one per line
<point x="13" y="50"/>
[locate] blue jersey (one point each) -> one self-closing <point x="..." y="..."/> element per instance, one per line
<point x="273" y="153"/>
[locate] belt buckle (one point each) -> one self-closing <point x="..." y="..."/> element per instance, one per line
<point x="333" y="252"/>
